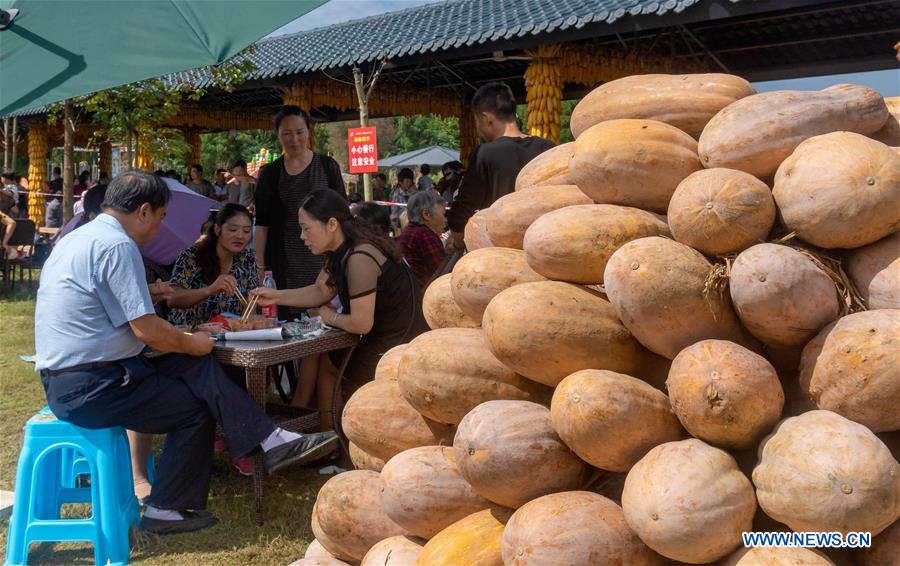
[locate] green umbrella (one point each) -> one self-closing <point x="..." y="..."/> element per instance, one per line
<point x="54" y="50"/>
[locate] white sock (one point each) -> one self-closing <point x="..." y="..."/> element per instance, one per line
<point x="278" y="437"/>
<point x="152" y="512"/>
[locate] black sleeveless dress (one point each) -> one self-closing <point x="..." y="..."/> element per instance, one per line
<point x="398" y="317"/>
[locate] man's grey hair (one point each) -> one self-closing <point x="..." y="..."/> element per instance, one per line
<point x="127" y="192"/>
<point x="420" y="202"/>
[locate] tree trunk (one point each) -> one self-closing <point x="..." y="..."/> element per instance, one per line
<point x="15" y="140"/>
<point x="68" y="161"/>
<point x="6" y="144"/>
<point x="363" y="121"/>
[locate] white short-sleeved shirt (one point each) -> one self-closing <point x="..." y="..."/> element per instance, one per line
<point x="92" y="285"/>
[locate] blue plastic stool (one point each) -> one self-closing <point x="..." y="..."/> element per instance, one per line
<point x="74" y="464"/>
<point x="41" y="490"/>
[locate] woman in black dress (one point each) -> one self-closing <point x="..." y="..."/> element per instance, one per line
<point x="281" y="187"/>
<point x="379" y="297"/>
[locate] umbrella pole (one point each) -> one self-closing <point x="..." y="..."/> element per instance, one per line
<point x="68" y="161"/>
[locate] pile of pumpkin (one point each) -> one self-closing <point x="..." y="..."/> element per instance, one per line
<point x="653" y="345"/>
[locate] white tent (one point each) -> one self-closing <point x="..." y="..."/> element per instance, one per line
<point x="434" y="155"/>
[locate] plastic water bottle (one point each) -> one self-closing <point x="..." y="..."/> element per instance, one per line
<point x="270" y="311"/>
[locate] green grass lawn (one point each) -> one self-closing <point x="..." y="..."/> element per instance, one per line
<point x="234" y="540"/>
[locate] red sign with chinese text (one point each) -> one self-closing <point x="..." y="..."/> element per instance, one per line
<point x="362" y="150"/>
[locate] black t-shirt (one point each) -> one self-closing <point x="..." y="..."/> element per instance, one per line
<point x="493" y="168"/>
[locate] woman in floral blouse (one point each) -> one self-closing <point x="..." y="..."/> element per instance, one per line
<point x="207" y="275"/>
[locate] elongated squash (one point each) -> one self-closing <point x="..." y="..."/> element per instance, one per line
<point x="875" y="270"/>
<point x="548" y="168"/>
<point x="574" y="243"/>
<point x="475" y="234"/>
<point x="549" y="329"/>
<point x="635" y="163"/>
<point x="475" y="539"/>
<point x="480" y="275"/>
<point x="440" y="308"/>
<point x="687" y="102"/>
<point x="758" y="132"/>
<point x="512" y="214"/>
<point x="448" y="372"/>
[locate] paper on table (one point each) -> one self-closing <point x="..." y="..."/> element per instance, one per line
<point x="263" y="334"/>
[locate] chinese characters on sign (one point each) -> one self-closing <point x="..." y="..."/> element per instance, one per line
<point x="362" y="150"/>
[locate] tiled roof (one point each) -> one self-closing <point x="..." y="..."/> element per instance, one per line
<point x="433" y="28"/>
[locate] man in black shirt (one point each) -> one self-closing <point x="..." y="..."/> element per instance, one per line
<point x="494" y="165"/>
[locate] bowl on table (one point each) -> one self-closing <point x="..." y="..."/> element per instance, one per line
<point x="259" y="322"/>
<point x="212" y="327"/>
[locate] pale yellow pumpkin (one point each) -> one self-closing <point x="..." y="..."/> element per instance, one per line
<point x="348" y="513"/>
<point x="573" y="527"/>
<point x="478" y="276"/>
<point x="840" y="190"/>
<point x="822" y="472"/>
<point x="511" y="215"/>
<point x="423" y="492"/>
<point x="853" y="368"/>
<point x="446" y="373"/>
<point x="440" y="308"/>
<point x="689" y="501"/>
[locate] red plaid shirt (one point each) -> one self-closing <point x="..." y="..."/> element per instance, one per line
<point x="423" y="250"/>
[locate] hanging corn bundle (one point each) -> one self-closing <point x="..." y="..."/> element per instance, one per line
<point x="37" y="168"/>
<point x="544" y="83"/>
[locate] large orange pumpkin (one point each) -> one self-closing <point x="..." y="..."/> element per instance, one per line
<point x="853" y="368"/>
<point x="548" y="168"/>
<point x="348" y="513"/>
<point x="573" y="527"/>
<point x="382" y="423"/>
<point x="821" y="472"/>
<point x="610" y="419"/>
<point x="689" y="501"/>
<point x="440" y="308"/>
<point x="423" y="492"/>
<point x="725" y="394"/>
<point x="721" y="211"/>
<point x="472" y="540"/>
<point x="875" y="270"/>
<point x="658" y="288"/>
<point x="510" y="454"/>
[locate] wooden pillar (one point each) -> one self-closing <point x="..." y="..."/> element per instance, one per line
<point x="468" y="135"/>
<point x="37" y="169"/>
<point x="106" y="157"/>
<point x="193" y="139"/>
<point x="544" y="85"/>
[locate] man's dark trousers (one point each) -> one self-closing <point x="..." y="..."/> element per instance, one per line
<point x="174" y="394"/>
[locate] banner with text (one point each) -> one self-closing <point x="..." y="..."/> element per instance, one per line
<point x="362" y="150"/>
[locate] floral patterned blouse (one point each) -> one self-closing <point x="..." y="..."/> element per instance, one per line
<point x="186" y="274"/>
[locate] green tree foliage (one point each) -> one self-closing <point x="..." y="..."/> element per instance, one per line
<point x="221" y="149"/>
<point x="414" y="132"/>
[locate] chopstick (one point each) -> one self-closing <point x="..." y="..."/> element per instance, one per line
<point x="251" y="308"/>
<point x="241" y="297"/>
